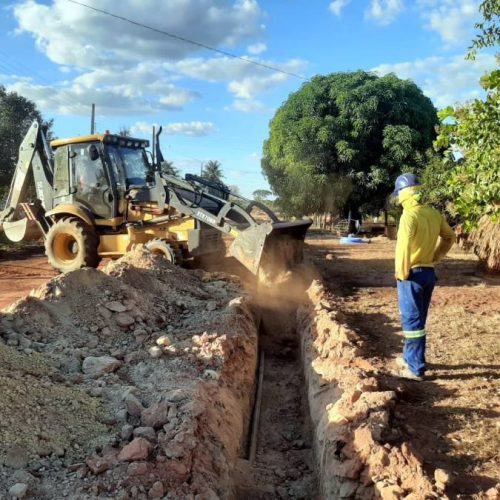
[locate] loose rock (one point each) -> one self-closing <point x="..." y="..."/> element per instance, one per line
<point x="155" y="416"/>
<point x="164" y="341"/>
<point x="97" y="465"/>
<point x="138" y="449"/>
<point x="17" y="458"/>
<point x="155" y="351"/>
<point x="115" y="306"/>
<point x="134" y="406"/>
<point x="156" y="490"/>
<point x="97" y="366"/>
<point x="124" y="320"/>
<point x="19" y="490"/>
<point x="442" y="476"/>
<point x="145" y="432"/>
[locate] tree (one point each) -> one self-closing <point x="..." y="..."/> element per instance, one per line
<point x="168" y="168"/>
<point x="342" y="139"/>
<point x="435" y="177"/>
<point x="261" y="195"/>
<point x="16" y="116"/>
<point x="212" y="171"/>
<point x="124" y="131"/>
<point x="489" y="28"/>
<point x="467" y="181"/>
<point x="473" y="130"/>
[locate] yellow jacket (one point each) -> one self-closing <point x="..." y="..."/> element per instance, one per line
<point x="419" y="229"/>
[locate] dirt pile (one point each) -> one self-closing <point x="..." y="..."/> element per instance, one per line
<point x="134" y="382"/>
<point x="360" y="453"/>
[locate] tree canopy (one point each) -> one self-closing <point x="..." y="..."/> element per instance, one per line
<point x="212" y="171"/>
<point x="473" y="183"/>
<point x="489" y="27"/>
<point x="261" y="195"/>
<point x="466" y="181"/>
<point x="16" y="116"/>
<point x="341" y="139"/>
<point x="168" y="168"/>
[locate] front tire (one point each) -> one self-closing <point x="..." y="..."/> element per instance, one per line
<point x="162" y="247"/>
<point x="71" y="244"/>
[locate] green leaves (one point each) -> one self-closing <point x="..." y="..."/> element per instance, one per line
<point x="212" y="171"/>
<point x="473" y="183"/>
<point x="16" y="115"/>
<point x="354" y="129"/>
<point x="489" y="28"/>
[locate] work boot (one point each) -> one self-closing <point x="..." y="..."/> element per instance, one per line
<point x="405" y="372"/>
<point x="402" y="370"/>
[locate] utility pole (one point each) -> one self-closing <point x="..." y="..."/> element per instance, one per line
<point x="92" y="120"/>
<point x="201" y="169"/>
<point x="153" y="146"/>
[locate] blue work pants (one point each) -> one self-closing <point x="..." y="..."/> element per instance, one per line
<point x="414" y="295"/>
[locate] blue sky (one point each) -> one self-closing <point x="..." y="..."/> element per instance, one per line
<point x="65" y="56"/>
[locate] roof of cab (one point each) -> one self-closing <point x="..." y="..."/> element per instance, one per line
<point x="75" y="140"/>
<point x="112" y="138"/>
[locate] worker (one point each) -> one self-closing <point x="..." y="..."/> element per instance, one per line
<point x="417" y="252"/>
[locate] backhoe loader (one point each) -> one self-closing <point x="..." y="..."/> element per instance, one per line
<point x="100" y="195"/>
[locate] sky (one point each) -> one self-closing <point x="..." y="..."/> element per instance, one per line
<point x="212" y="106"/>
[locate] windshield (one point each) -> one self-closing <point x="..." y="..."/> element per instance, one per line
<point x="133" y="162"/>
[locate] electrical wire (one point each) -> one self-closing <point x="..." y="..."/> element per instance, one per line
<point x="15" y="66"/>
<point x="187" y="40"/>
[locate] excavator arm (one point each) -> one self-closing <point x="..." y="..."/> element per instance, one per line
<point x="268" y="248"/>
<point x="22" y="217"/>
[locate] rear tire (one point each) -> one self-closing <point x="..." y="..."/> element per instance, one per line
<point x="71" y="244"/>
<point x="162" y="247"/>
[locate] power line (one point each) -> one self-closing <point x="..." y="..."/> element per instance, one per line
<point x="19" y="69"/>
<point x="187" y="40"/>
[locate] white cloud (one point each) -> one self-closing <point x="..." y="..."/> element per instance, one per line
<point x="337" y="5"/>
<point x="143" y="129"/>
<point x="244" y="80"/>
<point x="190" y="128"/>
<point x="249" y="106"/>
<point x="453" y="20"/>
<point x="126" y="69"/>
<point x="193" y="129"/>
<point x="74" y="35"/>
<point x="446" y="81"/>
<point x="131" y="97"/>
<point x="257" y="48"/>
<point x="384" y="11"/>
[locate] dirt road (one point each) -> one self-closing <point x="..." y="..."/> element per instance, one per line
<point x="452" y="417"/>
<point x="20" y="272"/>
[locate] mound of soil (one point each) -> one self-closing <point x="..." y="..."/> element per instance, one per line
<point x="132" y="382"/>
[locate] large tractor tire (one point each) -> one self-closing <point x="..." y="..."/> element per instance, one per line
<point x="169" y="252"/>
<point x="71" y="244"/>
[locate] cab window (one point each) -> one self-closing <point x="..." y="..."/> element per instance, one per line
<point x="61" y="175"/>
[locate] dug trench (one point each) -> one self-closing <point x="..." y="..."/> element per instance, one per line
<point x="279" y="458"/>
<point x="142" y="381"/>
<point x="324" y="424"/>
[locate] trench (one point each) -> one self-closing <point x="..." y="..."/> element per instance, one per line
<point x="278" y="460"/>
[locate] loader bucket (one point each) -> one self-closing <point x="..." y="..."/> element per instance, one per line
<point x="22" y="230"/>
<point x="270" y="249"/>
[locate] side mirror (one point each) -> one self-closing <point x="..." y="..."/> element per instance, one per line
<point x="93" y="152"/>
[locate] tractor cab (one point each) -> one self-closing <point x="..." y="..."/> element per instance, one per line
<point x="97" y="171"/>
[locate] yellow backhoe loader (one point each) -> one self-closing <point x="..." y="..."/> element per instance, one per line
<point x="99" y="195"/>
